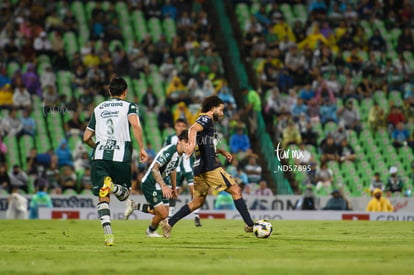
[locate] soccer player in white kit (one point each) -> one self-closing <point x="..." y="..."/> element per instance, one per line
<point x="112" y="150"/>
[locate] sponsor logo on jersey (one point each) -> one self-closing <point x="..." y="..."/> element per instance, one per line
<point x="111" y="104"/>
<point x="107" y="114"/>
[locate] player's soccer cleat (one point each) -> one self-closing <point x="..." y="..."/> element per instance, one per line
<point x="197" y="221"/>
<point x="166" y="228"/>
<point x="248" y="229"/>
<point x="129" y="208"/>
<point x="152" y="234"/>
<point x="109" y="240"/>
<point x="107" y="187"/>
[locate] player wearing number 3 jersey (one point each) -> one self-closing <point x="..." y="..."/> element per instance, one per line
<point x="112" y="149"/>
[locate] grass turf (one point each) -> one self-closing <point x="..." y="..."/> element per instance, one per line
<point x="219" y="247"/>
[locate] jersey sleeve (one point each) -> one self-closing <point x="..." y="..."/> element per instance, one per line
<point x="133" y="109"/>
<point x="92" y="123"/>
<point x="164" y="156"/>
<point x="204" y="121"/>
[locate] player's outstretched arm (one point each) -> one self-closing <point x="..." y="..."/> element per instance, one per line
<point x="155" y="171"/>
<point x="87" y="138"/>
<point x="226" y="154"/>
<point x="192" y="135"/>
<point x="137" y="131"/>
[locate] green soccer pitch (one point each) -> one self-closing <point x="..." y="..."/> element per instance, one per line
<point x="219" y="247"/>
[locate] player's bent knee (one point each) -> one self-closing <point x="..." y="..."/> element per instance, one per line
<point x="196" y="203"/>
<point x="235" y="192"/>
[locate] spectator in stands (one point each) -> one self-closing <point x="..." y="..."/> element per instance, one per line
<point x="394" y="117"/>
<point x="63" y="154"/>
<point x="113" y="31"/>
<point x="21" y="97"/>
<point x="79" y="77"/>
<point x="6" y="96"/>
<point x="376" y="183"/>
<point x="379" y="203"/>
<point x="80" y="157"/>
<point x="74" y="126"/>
<point x="28" y="124"/>
<point x="225" y="93"/>
<point x="324" y="92"/>
<point x="339" y="134"/>
<point x="68" y="181"/>
<point x="48" y="77"/>
<point x="337" y="202"/>
<point x="167" y="68"/>
<point x="150" y="100"/>
<point x="263" y="190"/>
<point x="376" y="117"/>
<point x="253" y="106"/>
<point x="14" y="123"/>
<point x="291" y="134"/>
<point x="307" y="93"/>
<point x="165" y="118"/>
<point x="346" y="152"/>
<point x="395" y="79"/>
<point x="350" y="117"/>
<point x="328" y="112"/>
<point x="31" y="163"/>
<point x="31" y="81"/>
<point x="377" y="42"/>
<point x="4" y="178"/>
<point x="298" y="109"/>
<point x="400" y="136"/>
<point x="50" y="99"/>
<point x="139" y="62"/>
<point x="395" y="184"/>
<point x="329" y="150"/>
<point x="365" y="89"/>
<point x="53" y="175"/>
<point x="182" y="112"/>
<point x="18" y="179"/>
<point x="176" y="91"/>
<point x="324" y="177"/>
<point x="42" y="44"/>
<point x="239" y="141"/>
<point x="60" y="61"/>
<point x="253" y="170"/>
<point x="57" y="44"/>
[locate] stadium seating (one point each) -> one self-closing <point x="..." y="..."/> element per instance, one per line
<point x="375" y="151"/>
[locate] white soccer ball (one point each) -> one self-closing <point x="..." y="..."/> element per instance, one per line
<point x="262" y="229"/>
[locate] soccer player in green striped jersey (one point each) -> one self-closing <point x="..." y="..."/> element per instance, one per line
<point x="154" y="184"/>
<point x="184" y="171"/>
<point x="112" y="150"/>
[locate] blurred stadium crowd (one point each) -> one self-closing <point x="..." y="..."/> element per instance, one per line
<point x="334" y="77"/>
<point x="56" y="60"/>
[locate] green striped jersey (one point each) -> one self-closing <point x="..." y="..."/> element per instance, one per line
<point x="187" y="163"/>
<point x="110" y="123"/>
<point x="168" y="160"/>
